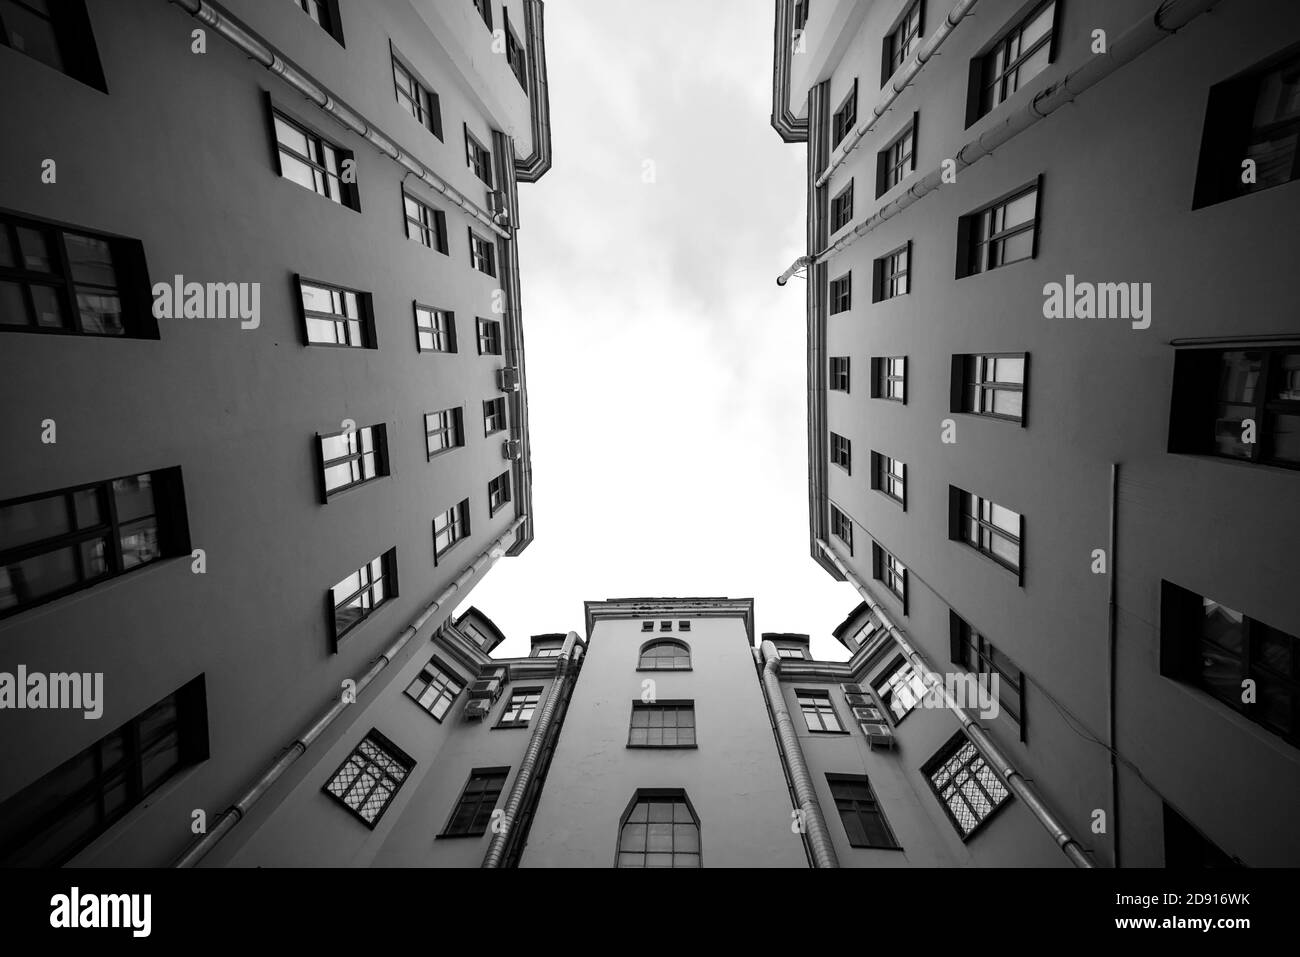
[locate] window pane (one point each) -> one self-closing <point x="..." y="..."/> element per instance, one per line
<point x="91" y="260"/>
<point x="39" y="575"/>
<point x="13" y="309"/>
<point x="30" y="522"/>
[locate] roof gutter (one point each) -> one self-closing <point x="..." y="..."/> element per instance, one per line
<point x="534" y="166"/>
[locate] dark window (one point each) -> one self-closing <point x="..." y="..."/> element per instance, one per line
<point x="818" y="712"/>
<point x="683" y="626"/>
<point x="484" y="8"/>
<point x="992" y="384"/>
<point x="424" y="224"/>
<point x="845" y="117"/>
<point x="325" y="13"/>
<point x="841" y="293"/>
<point x="839" y="379"/>
<point x="498" y="492"/>
<point x="515" y="52"/>
<point x="1019" y="55"/>
<point x="357" y="597"/>
<point x="313" y="162"/>
<point x="902" y="41"/>
<point x="482" y="254"/>
<point x="474" y="808"/>
<point x="792" y="654"/>
<point x="49" y="821"/>
<point x="1000" y="234"/>
<point x="489" y="337"/>
<point x="494" y="415"/>
<point x="1218" y="649"/>
<point x="479" y="158"/>
<point x="967" y="787"/>
<point x="842" y="527"/>
<point x="353" y="457"/>
<point x="842" y="208"/>
<point x="664" y="724"/>
<point x="435" y="688"/>
<point x="890" y="572"/>
<point x="664" y="654"/>
<point x="860" y="813"/>
<point x="367" y="781"/>
<point x="335" y="316"/>
<point x="1187" y="849"/>
<point x="896" y="160"/>
<point x="647" y="626"/>
<point x="976" y="653"/>
<point x="522" y="704"/>
<point x="841" y="452"/>
<point x="889" y="475"/>
<point x="416" y="98"/>
<point x="659" y="829"/>
<point x="891" y="274"/>
<point x="69" y="281"/>
<point x="55" y="543"/>
<point x="435" y="329"/>
<point x="900" y="688"/>
<point x="55" y="32"/>
<point x="889" y="378"/>
<point x="449" y="528"/>
<point x="987" y="527"/>
<point x="665" y="626"/>
<point x="443" y="430"/>
<point x="801" y="13"/>
<point x="1217" y="391"/>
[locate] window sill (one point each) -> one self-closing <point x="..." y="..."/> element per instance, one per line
<point x="663" y="747"/>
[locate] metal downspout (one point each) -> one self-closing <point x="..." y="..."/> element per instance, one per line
<point x="1112" y="676"/>
<point x="237" y="811"/>
<point x="780" y="753"/>
<point x="1015" y="781"/>
<point x="813" y="821"/>
<point x="497" y="848"/>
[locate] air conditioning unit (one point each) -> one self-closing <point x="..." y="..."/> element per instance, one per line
<point x="879" y="735"/>
<point x="511" y="449"/>
<point x="476" y="709"/>
<point x="485" y="688"/>
<point x="853" y="689"/>
<point x="856" y="700"/>
<point x="508" y="379"/>
<point x="868" y="714"/>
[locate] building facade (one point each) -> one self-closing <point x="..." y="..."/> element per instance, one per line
<point x="1047" y="441"/>
<point x="262" y="359"/>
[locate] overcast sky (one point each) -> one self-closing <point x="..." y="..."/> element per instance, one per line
<point x="666" y="377"/>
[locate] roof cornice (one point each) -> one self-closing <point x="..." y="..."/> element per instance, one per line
<point x="532" y="167"/>
<point x="791" y="128"/>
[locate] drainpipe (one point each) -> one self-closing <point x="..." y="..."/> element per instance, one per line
<point x="780" y="752"/>
<point x="497" y="848"/>
<point x="1168" y="17"/>
<point x="1015" y="781"/>
<point x="239" y="810"/>
<point x="800" y="263"/>
<point x="1110" y="666"/>
<point x="897" y="84"/>
<point x="258" y="49"/>
<point x="814" y="823"/>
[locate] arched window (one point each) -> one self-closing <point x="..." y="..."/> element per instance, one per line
<point x="659" y="829"/>
<point x="665" y="655"/>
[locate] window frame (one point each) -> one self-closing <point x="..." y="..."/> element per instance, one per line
<point x="379" y="450"/>
<point x="672" y="796"/>
<point x="966" y="376"/>
<point x="516" y="55"/>
<point x="900" y="40"/>
<point x="458" y="521"/>
<point x="349" y="193"/>
<point x="845" y="117"/>
<point x="501" y="497"/>
<point x="887" y="276"/>
<point x="882" y="375"/>
<point x="488" y="775"/>
<point x="958" y="516"/>
<point x="658" y="641"/>
<point x="676" y="705"/>
<point x="365" y="317"/>
<point x="883" y="476"/>
<point x="800" y="694"/>
<point x="873" y="804"/>
<point x="480" y="165"/>
<point x="435" y="333"/>
<point x="894" y="156"/>
<point x="429" y="221"/>
<point x="482" y="252"/>
<point x="449" y="678"/>
<point x="972" y="256"/>
<point x="839" y="374"/>
<point x="978" y="81"/>
<point x="367" y="580"/>
<point x="495" y="411"/>
<point x="883" y="570"/>
<point x="422" y="98"/>
<point x="484" y="8"/>
<point x="950" y="749"/>
<point x="489" y="336"/>
<point x="453" y="426"/>
<point x="885" y="688"/>
<point x="534" y="692"/>
<point x="840" y="522"/>
<point x="970" y="648"/>
<point x="839" y="296"/>
<point x="74" y="36"/>
<point x="841" y="452"/>
<point x="390" y="751"/>
<point x="842" y="208"/>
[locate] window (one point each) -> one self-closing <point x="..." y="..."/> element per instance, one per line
<point x="683" y="626"/>
<point x="992" y="385"/>
<point x="335" y="316"/>
<point x="839" y="379"/>
<point x="659" y="829"/>
<point x="845" y="117"/>
<point x="890" y="572"/>
<point x="449" y="528"/>
<point x="494" y="415"/>
<point x="325" y="14"/>
<point x="368" y="780"/>
<point x="474" y="808"/>
<point x="1187" y="848"/>
<point x="352" y="458"/>
<point x="515" y="52"/>
<point x="498" y="493"/>
<point x="901" y="42"/>
<point x="416" y="99"/>
<point x="1211" y="646"/>
<point x="842" y="527"/>
<point x="489" y="337"/>
<point x="900" y="688"/>
<point x="311" y="161"/>
<point x="552" y="651"/>
<point x="484" y="8"/>
<point x="56" y="543"/>
<point x="479" y="158"/>
<point x="443" y="430"/>
<point x="424" y="224"/>
<point x="358" y="596"/>
<point x="1017" y="57"/>
<point x="664" y="724"/>
<point x="896" y="160"/>
<point x="1000" y="234"/>
<point x="664" y="654"/>
<point x="69" y="281"/>
<point x="801" y="14"/>
<point x="860" y="813"/>
<point x="889" y="476"/>
<point x="1216" y="391"/>
<point x="975" y="653"/>
<point x="791" y="654"/>
<point x="518" y="711"/>
<point x="435" y="329"/>
<point x="841" y="452"/>
<point x="50" y="820"/>
<point x="1253" y="116"/>
<point x="841" y="293"/>
<point x="967" y="787"/>
<point x="482" y="254"/>
<point x="987" y="527"/>
<point x="57" y="34"/>
<point x="435" y="688"/>
<point x="889" y="378"/>
<point x="842" y="208"/>
<point x="665" y="626"/>
<point x="818" y="712"/>
<point x="890" y="274"/>
<point x="647" y="626"/>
